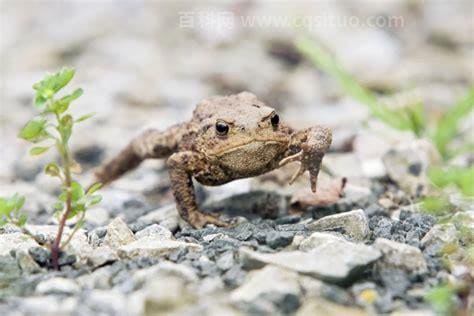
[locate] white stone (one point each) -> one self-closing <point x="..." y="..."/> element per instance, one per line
<point x="269" y="280"/>
<point x="118" y="233"/>
<point x="440" y="234"/>
<point x="102" y="255"/>
<point x="336" y="262"/>
<point x="154" y="231"/>
<point x="58" y="285"/>
<point x="400" y="255"/>
<point x="146" y="247"/>
<point x="353" y="224"/>
<point x="317" y="239"/>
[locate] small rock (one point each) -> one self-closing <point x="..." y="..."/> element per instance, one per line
<point x="400" y="255"/>
<point x="226" y="261"/>
<point x="9" y="245"/>
<point x="58" y="285"/>
<point x="234" y="276"/>
<point x="353" y="223"/>
<point x="26" y="262"/>
<point x="278" y="286"/>
<point x="335" y="262"/>
<point x="102" y="255"/>
<point x="317" y="239"/>
<point x="154" y="231"/>
<point x="47" y="305"/>
<point x="118" y="233"/>
<point x="276" y="239"/>
<point x="166" y="294"/>
<point x="438" y="236"/>
<point x="147" y="247"/>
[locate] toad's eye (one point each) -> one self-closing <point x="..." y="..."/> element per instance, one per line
<point x="275" y="119"/>
<point x="222" y="128"/>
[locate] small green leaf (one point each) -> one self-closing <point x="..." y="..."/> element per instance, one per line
<point x="36" y="151"/>
<point x="95" y="199"/>
<point x="77" y="191"/>
<point x="52" y="169"/>
<point x="84" y="117"/>
<point x="5" y="206"/>
<point x="13" y="203"/>
<point x="34" y="130"/>
<point x="61" y="105"/>
<point x="94" y="188"/>
<point x="22" y="218"/>
<point x="65" y="127"/>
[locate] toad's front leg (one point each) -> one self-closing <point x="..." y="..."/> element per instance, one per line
<point x="308" y="147"/>
<point x="182" y="166"/>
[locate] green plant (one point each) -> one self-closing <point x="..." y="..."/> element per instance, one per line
<point x="11" y="211"/>
<point x="442" y="298"/>
<point x="410" y="117"/>
<point x="52" y="128"/>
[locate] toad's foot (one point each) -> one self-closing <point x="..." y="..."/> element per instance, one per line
<point x="309" y="160"/>
<point x="199" y="220"/>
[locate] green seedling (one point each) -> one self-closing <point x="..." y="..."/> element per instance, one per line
<point x="52" y="129"/>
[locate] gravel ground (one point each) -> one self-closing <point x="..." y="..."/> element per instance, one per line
<point x="141" y="64"/>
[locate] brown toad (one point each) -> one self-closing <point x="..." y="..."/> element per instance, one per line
<point x="228" y="138"/>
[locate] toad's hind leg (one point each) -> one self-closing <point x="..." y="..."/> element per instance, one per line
<point x="182" y="166"/>
<point x="150" y="144"/>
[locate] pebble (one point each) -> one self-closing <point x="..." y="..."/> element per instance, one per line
<point x="58" y="285"/>
<point x="154" y="231"/>
<point x="283" y="292"/>
<point x="335" y="262"/>
<point x="154" y="248"/>
<point x="353" y="224"/>
<point x="276" y="239"/>
<point x="118" y="233"/>
<point x="400" y="255"/>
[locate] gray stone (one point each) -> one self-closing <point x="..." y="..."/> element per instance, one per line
<point x="398" y="255"/>
<point x="26" y="262"/>
<point x="226" y="261"/>
<point x="118" y="234"/>
<point x="154" y="231"/>
<point x="271" y="284"/>
<point x="11" y="244"/>
<point x="234" y="276"/>
<point x="146" y="247"/>
<point x="58" y="285"/>
<point x="336" y="262"/>
<point x="276" y="239"/>
<point x="354" y="224"/>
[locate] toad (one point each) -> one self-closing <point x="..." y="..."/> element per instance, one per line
<point x="227" y="138"/>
